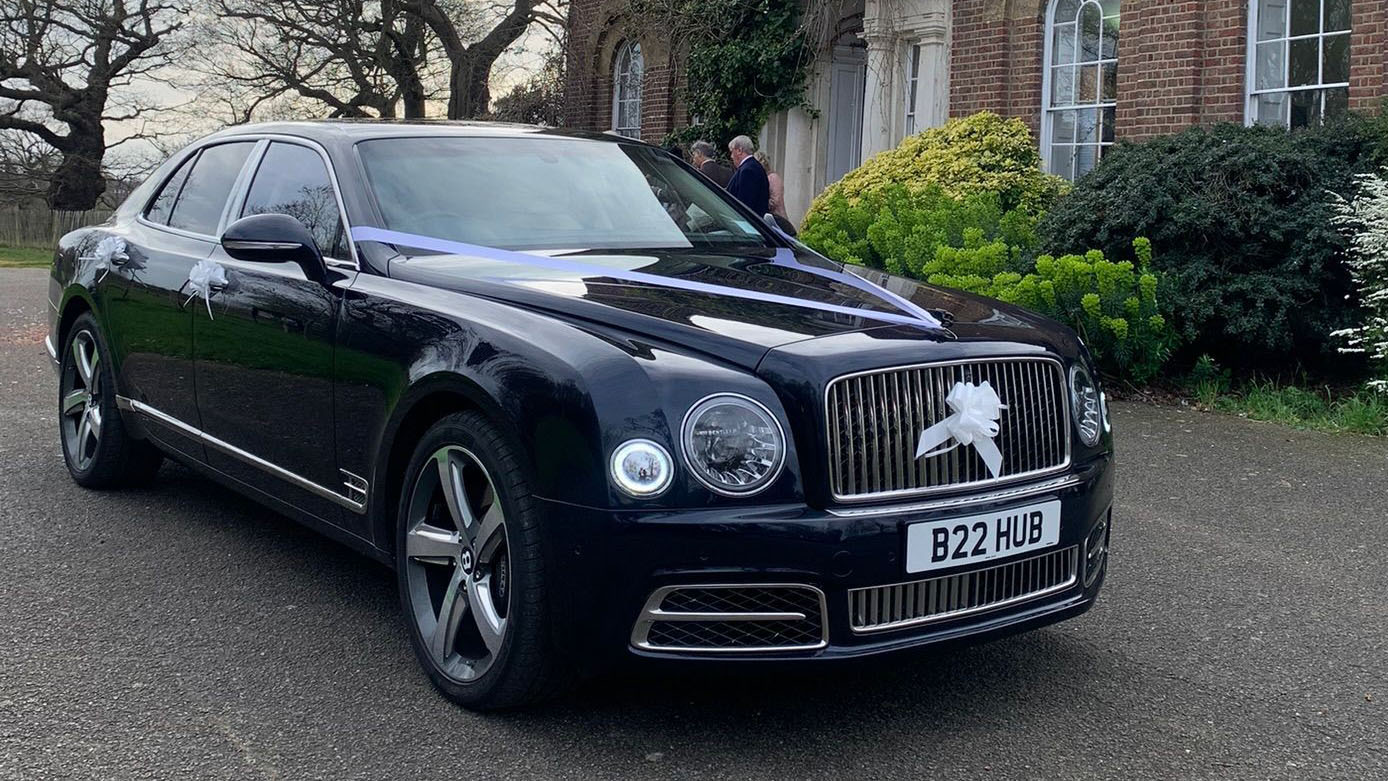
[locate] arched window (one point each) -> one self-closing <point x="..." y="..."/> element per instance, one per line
<point x="1298" y="61"/>
<point x="1080" y="85"/>
<point x="626" y="90"/>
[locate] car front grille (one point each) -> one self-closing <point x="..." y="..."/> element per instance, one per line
<point x="732" y="618"/>
<point x="875" y="420"/>
<point x="954" y="596"/>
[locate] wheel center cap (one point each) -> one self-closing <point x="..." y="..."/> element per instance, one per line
<point x="465" y="560"/>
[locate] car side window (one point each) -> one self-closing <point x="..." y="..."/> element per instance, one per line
<point x="293" y="180"/>
<point x="162" y="205"/>
<point x="204" y="195"/>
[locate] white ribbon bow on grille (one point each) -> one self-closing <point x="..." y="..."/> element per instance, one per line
<point x="108" y="249"/>
<point x="206" y="278"/>
<point x="974" y="422"/>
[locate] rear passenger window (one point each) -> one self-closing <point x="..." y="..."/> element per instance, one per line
<point x="163" y="203"/>
<point x="292" y="179"/>
<point x="204" y="195"/>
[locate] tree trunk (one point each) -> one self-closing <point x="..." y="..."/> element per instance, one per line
<point x="469" y="95"/>
<point x="77" y="182"/>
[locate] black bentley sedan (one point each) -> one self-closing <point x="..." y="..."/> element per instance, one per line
<point x="586" y="405"/>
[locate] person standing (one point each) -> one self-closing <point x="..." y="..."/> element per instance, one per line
<point x="776" y="186"/>
<point x="701" y="155"/>
<point x="749" y="183"/>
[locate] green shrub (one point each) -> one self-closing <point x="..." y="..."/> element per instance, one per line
<point x="1241" y="222"/>
<point x="983" y="153"/>
<point x="1113" y="305"/>
<point x="900" y="230"/>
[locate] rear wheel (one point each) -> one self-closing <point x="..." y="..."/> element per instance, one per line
<point x="96" y="447"/>
<point x="470" y="568"/>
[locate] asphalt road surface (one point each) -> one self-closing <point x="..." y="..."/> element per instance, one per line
<point x="183" y="632"/>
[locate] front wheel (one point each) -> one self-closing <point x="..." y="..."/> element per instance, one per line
<point x="470" y="567"/>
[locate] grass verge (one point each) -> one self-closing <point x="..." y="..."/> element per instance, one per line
<point x="25" y="257"/>
<point x="1360" y="411"/>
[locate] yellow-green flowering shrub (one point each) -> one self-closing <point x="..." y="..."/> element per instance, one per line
<point x="983" y="153"/>
<point x="1112" y="304"/>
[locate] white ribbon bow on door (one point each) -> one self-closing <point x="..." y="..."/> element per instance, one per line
<point x="974" y="422"/>
<point x="108" y="250"/>
<point x="206" y="278"/>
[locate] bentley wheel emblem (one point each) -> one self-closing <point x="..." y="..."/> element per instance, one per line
<point x="974" y="422"/>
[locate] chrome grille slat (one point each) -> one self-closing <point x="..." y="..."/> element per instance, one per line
<point x="954" y="596"/>
<point x="735" y="618"/>
<point x="875" y="419"/>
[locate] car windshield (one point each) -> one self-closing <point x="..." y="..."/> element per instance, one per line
<point x="547" y="193"/>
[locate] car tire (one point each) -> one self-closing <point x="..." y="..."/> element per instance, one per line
<point x="473" y="596"/>
<point x="98" y="450"/>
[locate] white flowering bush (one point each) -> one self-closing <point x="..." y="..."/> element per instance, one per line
<point x="1365" y="219"/>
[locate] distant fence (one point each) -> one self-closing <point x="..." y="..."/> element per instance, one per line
<point x="26" y="226"/>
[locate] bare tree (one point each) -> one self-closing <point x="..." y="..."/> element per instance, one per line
<point x="60" y="61"/>
<point x="470" y="64"/>
<point x="355" y="58"/>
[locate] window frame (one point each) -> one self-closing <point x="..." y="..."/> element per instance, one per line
<point x="914" y="50"/>
<point x="241" y="189"/>
<point x="242" y="192"/>
<point x="1251" y="91"/>
<point x="624" y="53"/>
<point x="1048" y="66"/>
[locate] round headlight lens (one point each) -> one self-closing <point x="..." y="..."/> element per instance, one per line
<point x="1088" y="407"/>
<point x="642" y="468"/>
<point x="733" y="445"/>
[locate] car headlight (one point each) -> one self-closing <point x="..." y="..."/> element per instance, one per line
<point x="733" y="444"/>
<point x="642" y="468"/>
<point x="1087" y="405"/>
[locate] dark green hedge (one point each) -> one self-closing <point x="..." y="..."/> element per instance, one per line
<point x="1240" y="222"/>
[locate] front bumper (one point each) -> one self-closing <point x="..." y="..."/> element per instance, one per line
<point x="612" y="562"/>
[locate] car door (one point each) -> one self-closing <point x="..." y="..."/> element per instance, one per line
<point x="143" y="296"/>
<point x="264" y="348"/>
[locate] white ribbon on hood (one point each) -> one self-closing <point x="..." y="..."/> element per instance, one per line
<point x="974" y="422"/>
<point x="108" y="249"/>
<point x="205" y="279"/>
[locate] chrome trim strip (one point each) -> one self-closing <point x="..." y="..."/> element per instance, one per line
<point x="48" y="345"/>
<point x="960" y="502"/>
<point x="868" y="374"/>
<point x="1075" y="563"/>
<point x="140" y="407"/>
<point x="245" y="244"/>
<point x="651" y="613"/>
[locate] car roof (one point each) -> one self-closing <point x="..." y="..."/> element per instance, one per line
<point x="352" y="130"/>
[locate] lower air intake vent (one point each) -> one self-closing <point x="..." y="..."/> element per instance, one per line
<point x="731" y="619"/>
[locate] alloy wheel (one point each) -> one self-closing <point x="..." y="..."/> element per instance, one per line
<point x="80" y="400"/>
<point x="457" y="563"/>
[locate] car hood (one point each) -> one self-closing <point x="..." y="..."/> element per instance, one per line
<point x="737" y="329"/>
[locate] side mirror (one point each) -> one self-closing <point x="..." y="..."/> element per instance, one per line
<point x="273" y="238"/>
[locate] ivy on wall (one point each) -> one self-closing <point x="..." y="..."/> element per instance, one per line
<point x="745" y="60"/>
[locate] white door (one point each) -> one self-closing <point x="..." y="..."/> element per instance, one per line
<point x="847" y="82"/>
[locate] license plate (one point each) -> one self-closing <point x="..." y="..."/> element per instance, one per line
<point x="959" y="542"/>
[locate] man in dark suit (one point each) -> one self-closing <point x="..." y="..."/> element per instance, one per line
<point x="701" y="155"/>
<point x="749" y="183"/>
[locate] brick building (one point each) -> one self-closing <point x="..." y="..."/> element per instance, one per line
<point x="1082" y="73"/>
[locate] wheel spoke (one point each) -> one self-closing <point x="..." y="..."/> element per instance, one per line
<point x="486" y="536"/>
<point x="489" y="625"/>
<point x="75" y="401"/>
<point x="84" y="430"/>
<point x="455" y="604"/>
<point x="432" y="544"/>
<point x="94" y="422"/>
<point x="451" y="483"/>
<point x="81" y="361"/>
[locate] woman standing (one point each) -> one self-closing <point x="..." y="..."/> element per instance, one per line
<point x="778" y="193"/>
